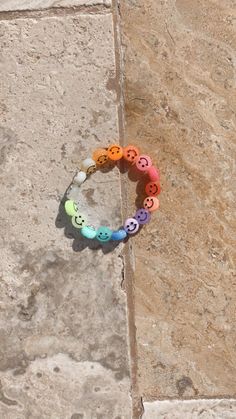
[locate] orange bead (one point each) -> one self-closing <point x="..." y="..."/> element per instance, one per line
<point x="130" y="153"/>
<point x="100" y="156"/>
<point x="153" y="188"/>
<point x="115" y="152"/>
<point x="151" y="203"/>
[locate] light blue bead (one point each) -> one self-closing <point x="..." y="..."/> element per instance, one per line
<point x="89" y="232"/>
<point x="103" y="234"/>
<point x="119" y="235"/>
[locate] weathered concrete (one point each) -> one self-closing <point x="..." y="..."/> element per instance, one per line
<point x="10" y="5"/>
<point x="180" y="107"/>
<point x="63" y="331"/>
<point x="191" y="409"/>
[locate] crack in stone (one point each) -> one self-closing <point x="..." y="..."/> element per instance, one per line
<point x="55" y="11"/>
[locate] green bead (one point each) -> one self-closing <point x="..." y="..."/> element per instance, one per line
<point x="71" y="207"/>
<point x="79" y="220"/>
<point x="89" y="232"/>
<point x="104" y="234"/>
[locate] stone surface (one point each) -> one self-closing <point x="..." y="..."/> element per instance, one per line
<point x="10" y="5"/>
<point x="63" y="330"/>
<point x="180" y="108"/>
<point x="191" y="409"/>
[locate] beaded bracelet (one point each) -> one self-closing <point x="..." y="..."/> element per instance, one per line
<point x="131" y="225"/>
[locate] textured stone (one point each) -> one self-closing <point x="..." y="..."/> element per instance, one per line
<point x="191" y="409"/>
<point x="10" y="5"/>
<point x="63" y="331"/>
<point x="180" y="107"/>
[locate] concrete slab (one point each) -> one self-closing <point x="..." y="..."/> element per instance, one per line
<point x="63" y="328"/>
<point x="13" y="5"/>
<point x="190" y="409"/>
<point x="180" y="108"/>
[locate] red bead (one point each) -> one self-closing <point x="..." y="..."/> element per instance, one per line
<point x="154" y="174"/>
<point x="153" y="188"/>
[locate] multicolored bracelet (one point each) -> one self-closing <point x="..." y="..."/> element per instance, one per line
<point x="131" y="225"/>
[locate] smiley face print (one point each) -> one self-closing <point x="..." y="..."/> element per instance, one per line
<point x="100" y="156"/>
<point x="153" y="188"/>
<point x="79" y="220"/>
<point x="103" y="234"/>
<point x="89" y="166"/>
<point x="151" y="203"/>
<point x="143" y="216"/>
<point x="130" y="153"/>
<point x="115" y="152"/>
<point x="131" y="226"/>
<point x="143" y="163"/>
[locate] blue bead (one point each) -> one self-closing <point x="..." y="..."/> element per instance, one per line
<point x="119" y="235"/>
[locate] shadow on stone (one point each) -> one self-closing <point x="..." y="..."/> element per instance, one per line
<point x="79" y="242"/>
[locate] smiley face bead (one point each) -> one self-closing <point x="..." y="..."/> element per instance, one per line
<point x="153" y="188"/>
<point x="89" y="166"/>
<point x="143" y="163"/>
<point x="130" y="153"/>
<point x="71" y="207"/>
<point x="115" y="152"/>
<point x="103" y="234"/>
<point x="131" y="226"/>
<point x="151" y="203"/>
<point x="79" y="220"/>
<point x="143" y="216"/>
<point x="100" y="156"/>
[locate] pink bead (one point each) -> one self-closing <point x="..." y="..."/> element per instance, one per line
<point x="151" y="203"/>
<point x="143" y="163"/>
<point x="154" y="174"/>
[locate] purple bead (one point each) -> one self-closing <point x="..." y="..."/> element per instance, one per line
<point x="143" y="216"/>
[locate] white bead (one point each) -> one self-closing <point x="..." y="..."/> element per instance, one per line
<point x="89" y="165"/>
<point x="80" y="178"/>
<point x="73" y="192"/>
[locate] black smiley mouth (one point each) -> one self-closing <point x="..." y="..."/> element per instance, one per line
<point x="131" y="154"/>
<point x="102" y="238"/>
<point x="150" y="206"/>
<point x="130" y="230"/>
<point x="156" y="189"/>
<point x="143" y="219"/>
<point x="79" y="224"/>
<point x="146" y="162"/>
